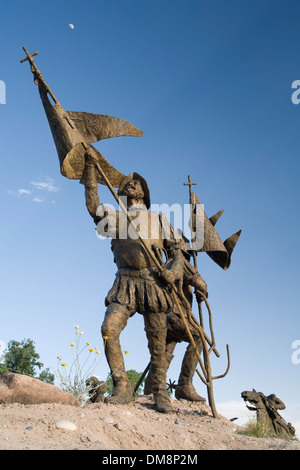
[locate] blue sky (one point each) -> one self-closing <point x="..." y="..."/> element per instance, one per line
<point x="209" y="83"/>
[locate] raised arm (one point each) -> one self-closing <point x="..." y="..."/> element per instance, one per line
<point x="89" y="180"/>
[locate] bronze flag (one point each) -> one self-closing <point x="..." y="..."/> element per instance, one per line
<point x="218" y="251"/>
<point x="71" y="132"/>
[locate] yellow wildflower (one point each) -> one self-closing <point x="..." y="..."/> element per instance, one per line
<point x="105" y="337"/>
<point x="63" y="364"/>
<point x="58" y="357"/>
<point x="76" y="326"/>
<point x="72" y="344"/>
<point x="126" y="352"/>
<point x="91" y="349"/>
<point x="88" y="343"/>
<point x="97" y="352"/>
<point x="80" y="332"/>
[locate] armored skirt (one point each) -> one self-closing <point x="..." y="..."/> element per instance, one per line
<point x="141" y="290"/>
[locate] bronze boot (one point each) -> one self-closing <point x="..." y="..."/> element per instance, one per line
<point x="188" y="392"/>
<point x="161" y="397"/>
<point x="185" y="388"/>
<point x="148" y="387"/>
<point x="162" y="402"/>
<point x="156" y="332"/>
<point x="123" y="391"/>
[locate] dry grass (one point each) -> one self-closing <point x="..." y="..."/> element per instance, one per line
<point x="257" y="429"/>
<point x="261" y="429"/>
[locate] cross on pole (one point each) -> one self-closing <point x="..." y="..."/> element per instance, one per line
<point x="37" y="73"/>
<point x="191" y="202"/>
<point x="190" y="184"/>
<point x="29" y="56"/>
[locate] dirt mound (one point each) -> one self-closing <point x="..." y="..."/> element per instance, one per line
<point x="123" y="427"/>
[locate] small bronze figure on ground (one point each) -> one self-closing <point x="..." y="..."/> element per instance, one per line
<point x="266" y="408"/>
<point x="96" y="389"/>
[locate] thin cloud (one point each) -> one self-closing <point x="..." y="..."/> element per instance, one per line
<point x="37" y="199"/>
<point x="20" y="192"/>
<point x="39" y="190"/>
<point x="47" y="186"/>
<point x="23" y="192"/>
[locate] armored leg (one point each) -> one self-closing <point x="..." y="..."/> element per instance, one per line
<point x="115" y="320"/>
<point x="176" y="334"/>
<point x="156" y="331"/>
<point x="169" y="356"/>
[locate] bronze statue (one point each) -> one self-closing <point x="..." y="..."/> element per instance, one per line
<point x="143" y="282"/>
<point x="266" y="408"/>
<point x="138" y="286"/>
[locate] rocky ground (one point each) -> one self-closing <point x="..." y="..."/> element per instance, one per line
<point x="123" y="427"/>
